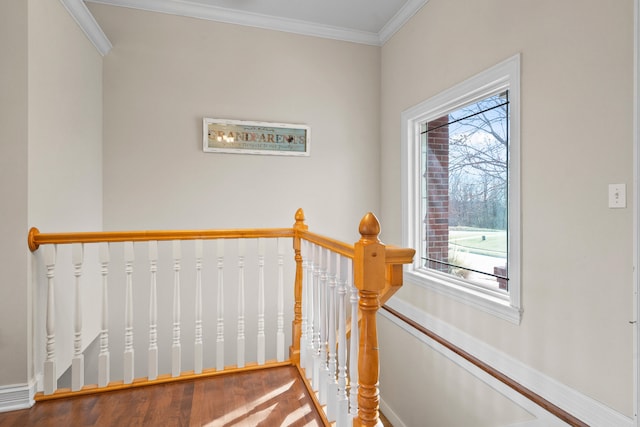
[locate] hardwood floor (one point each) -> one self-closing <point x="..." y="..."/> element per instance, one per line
<point x="268" y="397"/>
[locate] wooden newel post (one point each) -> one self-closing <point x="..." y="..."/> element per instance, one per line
<point x="369" y="278"/>
<point x="294" y="350"/>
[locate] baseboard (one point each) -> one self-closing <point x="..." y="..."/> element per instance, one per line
<point x="393" y="418"/>
<point x="581" y="406"/>
<point x="16" y="397"/>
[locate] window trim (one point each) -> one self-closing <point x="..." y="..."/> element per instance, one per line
<point x="505" y="75"/>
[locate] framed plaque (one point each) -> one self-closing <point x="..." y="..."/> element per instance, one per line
<point x="245" y="137"/>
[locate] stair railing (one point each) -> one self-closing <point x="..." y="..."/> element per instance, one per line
<point x="335" y="280"/>
<point x="337" y="291"/>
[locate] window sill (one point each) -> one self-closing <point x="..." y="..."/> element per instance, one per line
<point x="493" y="302"/>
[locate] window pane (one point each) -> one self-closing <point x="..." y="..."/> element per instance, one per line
<point x="486" y="104"/>
<point x="465" y="155"/>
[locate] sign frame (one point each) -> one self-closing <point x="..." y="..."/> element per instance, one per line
<point x="250" y="137"/>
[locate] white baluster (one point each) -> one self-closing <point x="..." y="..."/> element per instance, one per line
<point x="176" y="350"/>
<point x="198" y="345"/>
<point x="343" y="402"/>
<point x="313" y="320"/>
<point x="153" y="311"/>
<point x="103" y="356"/>
<point x="306" y="274"/>
<point x="280" y="320"/>
<point x="354" y="345"/>
<point x="323" y="370"/>
<point x="128" y="315"/>
<point x="77" y="363"/>
<point x="50" y="375"/>
<point x="220" y="307"/>
<point x="261" y="337"/>
<point x="332" y="385"/>
<point x="240" y="342"/>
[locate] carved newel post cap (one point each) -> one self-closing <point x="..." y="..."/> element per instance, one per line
<point x="369" y="227"/>
<point x="299" y="224"/>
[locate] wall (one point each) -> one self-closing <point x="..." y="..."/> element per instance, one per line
<point x="440" y="384"/>
<point x="14" y="305"/>
<point x="65" y="113"/>
<point x="65" y="159"/>
<point x="165" y="73"/>
<point x="577" y="265"/>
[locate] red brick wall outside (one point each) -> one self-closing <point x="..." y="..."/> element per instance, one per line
<point x="437" y="181"/>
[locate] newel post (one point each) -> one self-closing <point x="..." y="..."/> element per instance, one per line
<point x="369" y="278"/>
<point x="294" y="351"/>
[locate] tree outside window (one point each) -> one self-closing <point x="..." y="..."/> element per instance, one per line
<point x="465" y="191"/>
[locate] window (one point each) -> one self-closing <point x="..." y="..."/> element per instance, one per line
<point x="461" y="190"/>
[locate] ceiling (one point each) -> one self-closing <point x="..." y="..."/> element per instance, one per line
<point x="361" y="21"/>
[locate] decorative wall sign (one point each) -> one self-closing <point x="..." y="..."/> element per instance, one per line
<point x="235" y="136"/>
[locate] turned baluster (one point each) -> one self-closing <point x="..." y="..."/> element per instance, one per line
<point x="198" y="345"/>
<point x="50" y="376"/>
<point x="315" y="378"/>
<point x="128" y="314"/>
<point x="241" y="305"/>
<point x="342" y="418"/>
<point x="77" y="363"/>
<point x="103" y="356"/>
<point x="314" y="276"/>
<point x="323" y="370"/>
<point x="332" y="385"/>
<point x="220" y="308"/>
<point x="280" y="338"/>
<point x="176" y="347"/>
<point x="261" y="336"/>
<point x="153" y="312"/>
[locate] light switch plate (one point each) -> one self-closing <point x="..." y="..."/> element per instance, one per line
<point x="617" y="196"/>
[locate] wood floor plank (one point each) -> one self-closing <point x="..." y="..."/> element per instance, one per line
<point x="263" y="398"/>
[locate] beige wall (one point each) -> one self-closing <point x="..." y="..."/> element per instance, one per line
<point x="51" y="135"/>
<point x="577" y="265"/>
<point x="65" y="122"/>
<point x="439" y="384"/>
<point x="165" y="73"/>
<point x="14" y="306"/>
<point x="65" y="160"/>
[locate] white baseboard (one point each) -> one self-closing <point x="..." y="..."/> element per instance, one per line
<point x="579" y="405"/>
<point x="393" y="418"/>
<point x="16" y="397"/>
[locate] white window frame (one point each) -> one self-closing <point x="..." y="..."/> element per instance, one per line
<point x="503" y="76"/>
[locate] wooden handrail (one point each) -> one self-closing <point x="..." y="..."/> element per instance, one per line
<point x="35" y="238"/>
<point x="534" y="397"/>
<point x="333" y="245"/>
<point x="395" y="255"/>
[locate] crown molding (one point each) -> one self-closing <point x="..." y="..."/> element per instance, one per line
<point x="81" y="14"/>
<point x="213" y="13"/>
<point x="230" y="16"/>
<point x="78" y="10"/>
<point x="399" y="19"/>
